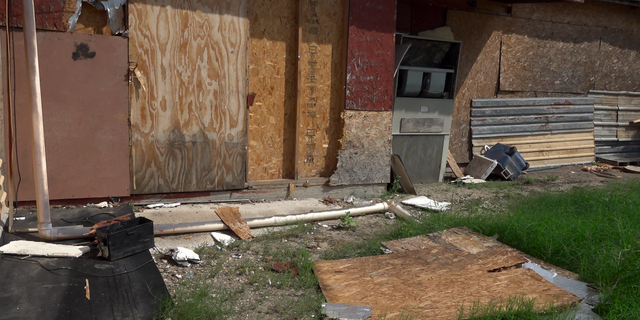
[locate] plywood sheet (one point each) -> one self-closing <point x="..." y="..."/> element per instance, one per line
<point x="366" y="149"/>
<point x="189" y="119"/>
<point x="477" y="73"/>
<point x="620" y="56"/>
<point x="273" y="78"/>
<point x="232" y="218"/>
<point x="85" y="107"/>
<point x="370" y="59"/>
<point x="322" y="49"/>
<point x="434" y="283"/>
<point x="570" y="49"/>
<point x="590" y="13"/>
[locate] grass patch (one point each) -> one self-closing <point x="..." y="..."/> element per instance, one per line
<point x="515" y="308"/>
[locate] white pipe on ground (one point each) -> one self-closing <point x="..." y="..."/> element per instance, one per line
<point x="190" y="227"/>
<point x="45" y="228"/>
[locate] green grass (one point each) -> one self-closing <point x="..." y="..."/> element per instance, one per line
<point x="516" y="308"/>
<point x="594" y="232"/>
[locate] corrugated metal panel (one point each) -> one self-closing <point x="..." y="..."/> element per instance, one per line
<point x="616" y="138"/>
<point x="546" y="131"/>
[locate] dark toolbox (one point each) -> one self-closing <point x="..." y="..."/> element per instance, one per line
<point x="125" y="238"/>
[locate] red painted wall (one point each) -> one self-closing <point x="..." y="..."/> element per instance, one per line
<point x="370" y="55"/>
<point x="50" y="14"/>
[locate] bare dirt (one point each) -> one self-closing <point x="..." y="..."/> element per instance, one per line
<point x="247" y="269"/>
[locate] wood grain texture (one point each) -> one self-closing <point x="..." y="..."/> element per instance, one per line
<point x="273" y="78"/>
<point x="232" y="218"/>
<point x="572" y="51"/>
<point x="435" y="282"/>
<point x="322" y="51"/>
<point x="189" y="125"/>
<point x="370" y="59"/>
<point x="478" y="70"/>
<point x="366" y="149"/>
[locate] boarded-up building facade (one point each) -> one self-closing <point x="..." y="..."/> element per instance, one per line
<point x="222" y="95"/>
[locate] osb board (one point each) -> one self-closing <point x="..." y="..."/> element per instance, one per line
<point x="590" y="13"/>
<point x="232" y="218"/>
<point x="477" y="72"/>
<point x="188" y="100"/>
<point x="434" y="283"/>
<point x="370" y="58"/>
<point x="50" y="14"/>
<point x="365" y="157"/>
<point x="85" y="107"/>
<point x="620" y="66"/>
<point x="322" y="49"/>
<point x="571" y="49"/>
<point x="464" y="239"/>
<point x="273" y="73"/>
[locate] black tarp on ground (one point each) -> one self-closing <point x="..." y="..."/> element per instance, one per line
<point x="54" y="288"/>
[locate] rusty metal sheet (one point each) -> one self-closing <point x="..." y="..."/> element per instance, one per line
<point x="86" y="112"/>
<point x="370" y="55"/>
<point x="50" y="14"/>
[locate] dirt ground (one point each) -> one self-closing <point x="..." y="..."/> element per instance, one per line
<point x="257" y="300"/>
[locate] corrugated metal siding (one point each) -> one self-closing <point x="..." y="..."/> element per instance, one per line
<point x="615" y="137"/>
<point x="546" y="131"/>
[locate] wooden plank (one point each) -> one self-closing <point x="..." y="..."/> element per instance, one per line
<point x="531" y="127"/>
<point x="513" y="120"/>
<point x="605" y="116"/>
<point x="434" y="283"/>
<point x="232" y="218"/>
<point x="370" y="60"/>
<point x="520" y="102"/>
<point x="397" y="168"/>
<point x="551" y="137"/>
<point x="188" y="127"/>
<point x="421" y="125"/>
<point x="322" y="49"/>
<point x="543" y="148"/>
<point x="632" y="132"/>
<point x="528" y="110"/>
<point x="273" y="61"/>
<point x="451" y="161"/>
<point x="628" y="116"/>
<point x="561" y="161"/>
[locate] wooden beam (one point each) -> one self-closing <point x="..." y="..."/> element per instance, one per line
<point x="451" y="161"/>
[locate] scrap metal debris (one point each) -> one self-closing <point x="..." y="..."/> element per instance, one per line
<point x="108" y="222"/>
<point x="343" y="311"/>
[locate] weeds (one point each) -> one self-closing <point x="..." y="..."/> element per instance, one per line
<point x="347" y="222"/>
<point x="515" y="308"/>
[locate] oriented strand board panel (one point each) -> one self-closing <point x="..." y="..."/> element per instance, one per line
<point x="188" y="94"/>
<point x="590" y="13"/>
<point x="571" y="51"/>
<point x="273" y="78"/>
<point x="50" y="14"/>
<point x="233" y="219"/>
<point x="322" y="49"/>
<point x="477" y="72"/>
<point x="370" y="57"/>
<point x="365" y="157"/>
<point x="86" y="110"/>
<point x="434" y="283"/>
<point x="620" y="66"/>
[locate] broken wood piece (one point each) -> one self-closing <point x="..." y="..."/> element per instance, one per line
<point x="43" y="249"/>
<point x="451" y="161"/>
<point x="398" y="169"/>
<point x="232" y="218"/>
<point x="635" y="121"/>
<point x="87" y="292"/>
<point x="632" y="169"/>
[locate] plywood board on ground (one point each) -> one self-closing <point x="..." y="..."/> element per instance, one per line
<point x="188" y="122"/>
<point x="435" y="282"/>
<point x="273" y="77"/>
<point x="477" y="72"/>
<point x="570" y="48"/>
<point x="322" y="50"/>
<point x="366" y="148"/>
<point x="232" y="218"/>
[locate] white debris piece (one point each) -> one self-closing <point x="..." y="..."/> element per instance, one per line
<point x="163" y="205"/>
<point x="184" y="256"/>
<point x="43" y="249"/>
<point x="349" y="199"/>
<point x="19" y="218"/>
<point x="102" y="204"/>
<point x="426" y="203"/>
<point x="222" y="238"/>
<point x="469" y="179"/>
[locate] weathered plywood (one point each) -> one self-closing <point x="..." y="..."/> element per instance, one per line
<point x="620" y="66"/>
<point x="370" y="59"/>
<point x="273" y="75"/>
<point x="233" y="219"/>
<point x="435" y="282"/>
<point x="321" y="86"/>
<point x="188" y="95"/>
<point x="590" y="13"/>
<point x="366" y="149"/>
<point x="477" y="72"/>
<point x="571" y="65"/>
<point x="85" y="109"/>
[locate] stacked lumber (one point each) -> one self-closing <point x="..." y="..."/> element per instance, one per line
<point x="617" y="135"/>
<point x="546" y="131"/>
